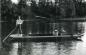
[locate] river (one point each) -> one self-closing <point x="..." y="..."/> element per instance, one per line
<point x="67" y="47"/>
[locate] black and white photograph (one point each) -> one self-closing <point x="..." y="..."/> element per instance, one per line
<point x="42" y="27"/>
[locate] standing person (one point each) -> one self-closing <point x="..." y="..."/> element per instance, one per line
<point x="19" y="22"/>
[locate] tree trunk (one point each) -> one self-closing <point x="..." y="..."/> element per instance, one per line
<point x="0" y="25"/>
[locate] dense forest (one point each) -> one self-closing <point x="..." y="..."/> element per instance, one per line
<point x="46" y="9"/>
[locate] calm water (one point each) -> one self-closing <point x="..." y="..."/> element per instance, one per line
<point x="46" y="48"/>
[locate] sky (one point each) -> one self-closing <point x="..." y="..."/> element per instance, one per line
<point x="15" y="1"/>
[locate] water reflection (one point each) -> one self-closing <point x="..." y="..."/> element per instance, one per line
<point x="84" y="37"/>
<point x="81" y="46"/>
<point x="14" y="49"/>
<point x="48" y="48"/>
